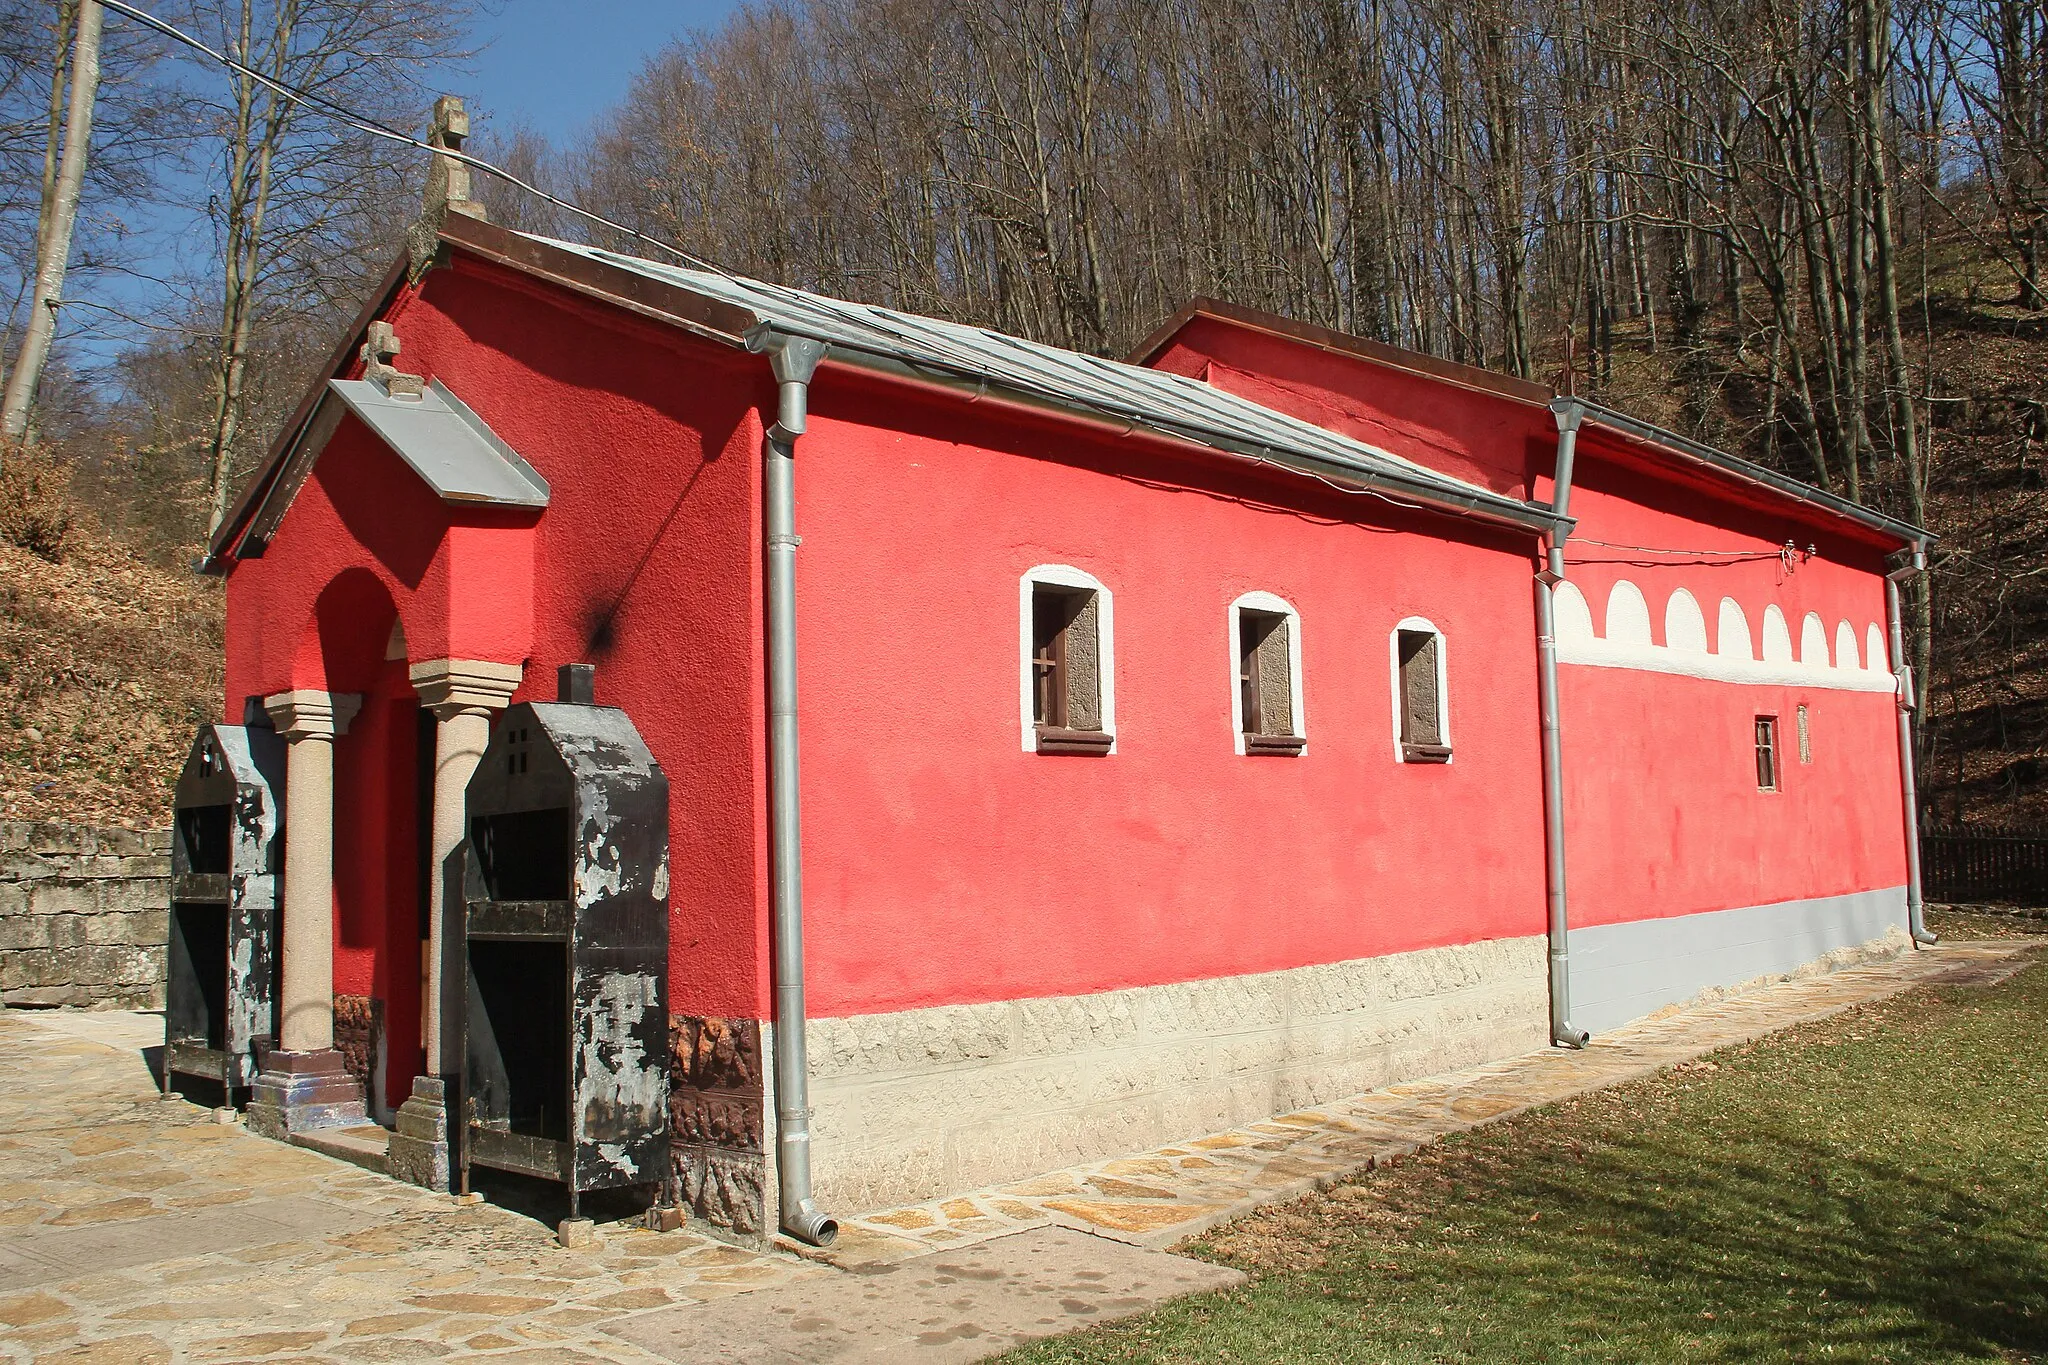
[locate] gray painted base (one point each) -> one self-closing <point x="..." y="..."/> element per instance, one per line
<point x="1622" y="972"/>
<point x="928" y="1102"/>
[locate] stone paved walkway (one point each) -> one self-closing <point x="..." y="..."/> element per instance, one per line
<point x="134" y="1229"/>
<point x="114" y="1247"/>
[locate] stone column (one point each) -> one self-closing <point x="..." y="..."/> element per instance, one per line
<point x="303" y="1085"/>
<point x="461" y="693"/>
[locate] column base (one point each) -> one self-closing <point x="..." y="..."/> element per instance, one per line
<point x="419" y="1152"/>
<point x="299" y="1092"/>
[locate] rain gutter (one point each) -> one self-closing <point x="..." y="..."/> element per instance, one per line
<point x="1492" y="508"/>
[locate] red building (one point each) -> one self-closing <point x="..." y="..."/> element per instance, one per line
<point x="1173" y="733"/>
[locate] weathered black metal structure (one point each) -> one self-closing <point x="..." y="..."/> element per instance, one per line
<point x="227" y="866"/>
<point x="566" y="1049"/>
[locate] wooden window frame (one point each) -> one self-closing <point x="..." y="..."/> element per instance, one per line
<point x="1053" y="733"/>
<point x="1250" y="732"/>
<point x="1408" y="749"/>
<point x="1770" y="767"/>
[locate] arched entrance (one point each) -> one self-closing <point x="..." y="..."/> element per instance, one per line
<point x="355" y="645"/>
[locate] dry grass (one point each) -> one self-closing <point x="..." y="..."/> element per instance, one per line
<point x="107" y="664"/>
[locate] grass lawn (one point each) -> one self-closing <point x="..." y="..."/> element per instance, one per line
<point x="1872" y="1187"/>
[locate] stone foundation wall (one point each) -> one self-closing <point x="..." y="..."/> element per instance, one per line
<point x="926" y="1102"/>
<point x="84" y="915"/>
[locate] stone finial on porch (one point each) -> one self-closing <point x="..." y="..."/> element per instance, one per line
<point x="379" y="346"/>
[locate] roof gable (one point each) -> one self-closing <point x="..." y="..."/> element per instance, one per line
<point x="1654" y="443"/>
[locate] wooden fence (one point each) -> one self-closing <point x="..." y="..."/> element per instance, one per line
<point x="1966" y="866"/>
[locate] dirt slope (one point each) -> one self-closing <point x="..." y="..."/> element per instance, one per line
<point x="107" y="664"/>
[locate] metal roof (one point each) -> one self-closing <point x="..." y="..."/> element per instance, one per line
<point x="446" y="444"/>
<point x="1170" y="404"/>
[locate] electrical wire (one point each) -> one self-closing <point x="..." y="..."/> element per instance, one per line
<point x="1677" y="563"/>
<point x="362" y="124"/>
<point x="1661" y="550"/>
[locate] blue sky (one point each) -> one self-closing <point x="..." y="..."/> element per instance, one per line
<point x="550" y="65"/>
<point x="556" y="66"/>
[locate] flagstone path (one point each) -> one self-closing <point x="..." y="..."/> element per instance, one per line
<point x="140" y="1231"/>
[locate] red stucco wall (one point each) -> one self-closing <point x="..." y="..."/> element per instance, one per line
<point x="944" y="864"/>
<point x="1665" y="816"/>
<point x="1663" y="813"/>
<point x="643" y="564"/>
<point x="1476" y="437"/>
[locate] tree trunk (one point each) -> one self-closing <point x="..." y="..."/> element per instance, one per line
<point x="53" y="232"/>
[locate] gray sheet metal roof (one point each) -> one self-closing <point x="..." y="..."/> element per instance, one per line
<point x="446" y="444"/>
<point x="1174" y="404"/>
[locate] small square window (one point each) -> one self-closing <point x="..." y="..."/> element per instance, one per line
<point x="1767" y="753"/>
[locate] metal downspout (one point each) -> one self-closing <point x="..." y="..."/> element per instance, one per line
<point x="794" y="360"/>
<point x="1563" y="1033"/>
<point x="1915" y="562"/>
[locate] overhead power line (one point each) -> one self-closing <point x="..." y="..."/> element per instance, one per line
<point x="363" y="124"/>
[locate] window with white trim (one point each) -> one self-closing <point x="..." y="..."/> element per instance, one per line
<point x="1068" y="698"/>
<point x="1422" y="729"/>
<point x="1265" y="667"/>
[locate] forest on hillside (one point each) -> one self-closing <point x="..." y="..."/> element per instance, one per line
<point x="1808" y="231"/>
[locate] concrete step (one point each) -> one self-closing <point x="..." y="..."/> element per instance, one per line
<point x="362" y="1145"/>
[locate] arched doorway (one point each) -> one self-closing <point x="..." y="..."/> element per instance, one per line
<point x="356" y="643"/>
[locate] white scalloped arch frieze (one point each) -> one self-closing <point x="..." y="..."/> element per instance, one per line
<point x="1684" y="627"/>
<point x="1627" y="642"/>
<point x="1735" y="631"/>
<point x="1876" y="657"/>
<point x="1628" y="615"/>
<point x="1777" y="638"/>
<point x="1846" y="655"/>
<point x="1574" y="619"/>
<point x="1813" y="641"/>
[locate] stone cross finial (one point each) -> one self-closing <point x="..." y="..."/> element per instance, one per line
<point x="377" y="352"/>
<point x="447" y="178"/>
<point x="447" y="185"/>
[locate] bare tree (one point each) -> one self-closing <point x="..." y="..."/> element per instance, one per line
<point x="63" y="181"/>
<point x="292" y="187"/>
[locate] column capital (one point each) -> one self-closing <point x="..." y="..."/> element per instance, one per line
<point x="307" y="714"/>
<point x="449" y="687"/>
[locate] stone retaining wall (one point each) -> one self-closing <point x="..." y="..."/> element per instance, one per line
<point x="84" y="915"/>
